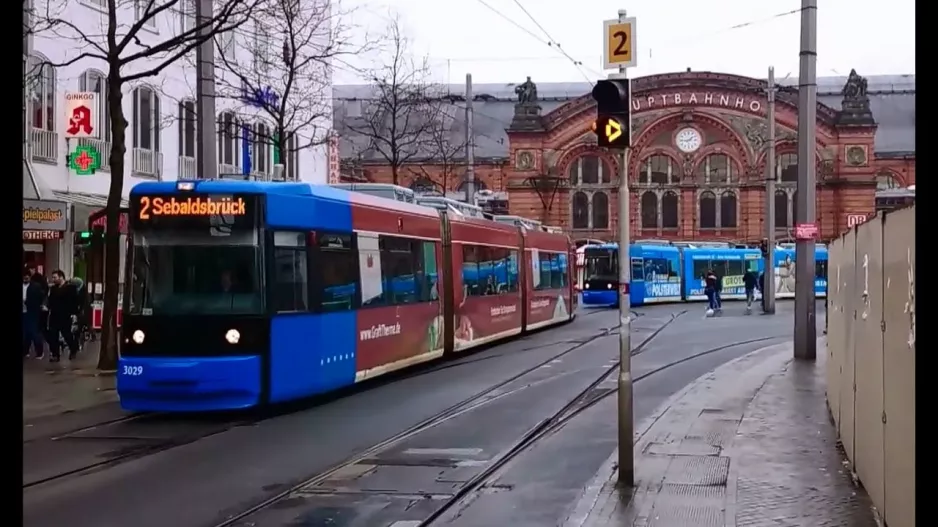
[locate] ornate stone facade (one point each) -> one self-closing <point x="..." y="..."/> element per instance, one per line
<point x="535" y="148"/>
<point x="714" y="192"/>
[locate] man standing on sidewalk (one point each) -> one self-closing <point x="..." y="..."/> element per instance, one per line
<point x="63" y="305"/>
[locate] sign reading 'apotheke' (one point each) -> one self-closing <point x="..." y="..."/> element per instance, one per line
<point x="41" y="215"/>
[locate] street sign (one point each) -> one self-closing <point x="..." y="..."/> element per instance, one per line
<point x="806" y="231"/>
<point x="855" y="219"/>
<point x="81" y="114"/>
<point x="619" y="43"/>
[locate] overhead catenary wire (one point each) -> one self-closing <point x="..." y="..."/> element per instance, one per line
<point x="549" y="42"/>
<point x="553" y="44"/>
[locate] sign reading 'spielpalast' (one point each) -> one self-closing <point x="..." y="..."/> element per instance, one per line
<point x="40" y="215"/>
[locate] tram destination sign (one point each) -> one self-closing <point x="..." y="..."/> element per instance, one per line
<point x="193" y="211"/>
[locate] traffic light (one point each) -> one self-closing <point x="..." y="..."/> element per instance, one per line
<point x="764" y="247"/>
<point x="613" y="98"/>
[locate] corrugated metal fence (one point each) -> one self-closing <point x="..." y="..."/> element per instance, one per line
<point x="871" y="363"/>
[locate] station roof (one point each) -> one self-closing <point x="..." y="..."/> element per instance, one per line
<point x="892" y="101"/>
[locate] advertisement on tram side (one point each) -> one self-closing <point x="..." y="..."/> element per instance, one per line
<point x="397" y="336"/>
<point x="482" y="319"/>
<point x="546" y="307"/>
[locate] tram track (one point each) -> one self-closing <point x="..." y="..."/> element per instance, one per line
<point x="118" y="441"/>
<point x="462" y="407"/>
<point x="132" y="445"/>
<point x="579" y="404"/>
<point x="588" y="397"/>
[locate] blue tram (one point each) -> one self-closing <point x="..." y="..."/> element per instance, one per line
<point x="674" y="272"/>
<point x="731" y="264"/>
<point x="785" y="271"/>
<point x="601" y="268"/>
<point x="656" y="274"/>
<point x="244" y="293"/>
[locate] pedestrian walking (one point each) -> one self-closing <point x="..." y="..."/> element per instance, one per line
<point x="750" y="281"/>
<point x="63" y="307"/>
<point x="83" y="311"/>
<point x="34" y="307"/>
<point x="711" y="283"/>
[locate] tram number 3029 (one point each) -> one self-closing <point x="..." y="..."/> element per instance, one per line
<point x="133" y="371"/>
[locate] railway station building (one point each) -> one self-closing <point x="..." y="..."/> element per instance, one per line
<point x="697" y="167"/>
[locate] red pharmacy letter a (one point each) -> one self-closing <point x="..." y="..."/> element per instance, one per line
<point x="80" y="121"/>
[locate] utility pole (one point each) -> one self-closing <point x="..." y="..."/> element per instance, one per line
<point x="805" y="329"/>
<point x="205" y="93"/>
<point x="470" y="146"/>
<point x="768" y="288"/>
<point x="614" y="126"/>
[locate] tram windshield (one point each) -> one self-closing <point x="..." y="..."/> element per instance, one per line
<point x="601" y="263"/>
<point x="196" y="272"/>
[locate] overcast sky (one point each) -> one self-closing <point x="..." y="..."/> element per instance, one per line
<point x="465" y="36"/>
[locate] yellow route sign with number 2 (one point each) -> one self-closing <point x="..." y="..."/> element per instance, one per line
<point x="619" y="43"/>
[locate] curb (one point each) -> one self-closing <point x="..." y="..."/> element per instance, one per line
<point x="604" y="476"/>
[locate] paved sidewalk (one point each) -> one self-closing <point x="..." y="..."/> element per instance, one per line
<point x="53" y="389"/>
<point x="750" y="444"/>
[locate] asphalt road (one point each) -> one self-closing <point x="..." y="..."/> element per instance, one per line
<point x="202" y="483"/>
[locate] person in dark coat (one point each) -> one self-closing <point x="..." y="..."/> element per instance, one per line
<point x="84" y="308"/>
<point x="34" y="305"/>
<point x="63" y="306"/>
<point x="711" y="282"/>
<point x="751" y="282"/>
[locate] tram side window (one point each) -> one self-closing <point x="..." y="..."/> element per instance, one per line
<point x="511" y="269"/>
<point x="735" y="268"/>
<point x="399" y="269"/>
<point x="489" y="270"/>
<point x="544" y="267"/>
<point x="291" y="288"/>
<point x="470" y="270"/>
<point x="659" y="269"/>
<point x="700" y="268"/>
<point x="719" y="267"/>
<point x="553" y="270"/>
<point x="562" y="269"/>
<point x="337" y="267"/>
<point x="820" y="269"/>
<point x="431" y="275"/>
<point x="638" y="270"/>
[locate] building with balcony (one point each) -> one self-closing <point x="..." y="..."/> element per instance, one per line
<point x="161" y="124"/>
<point x="544" y="158"/>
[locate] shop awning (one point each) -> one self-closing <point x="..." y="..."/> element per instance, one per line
<point x="85" y="204"/>
<point x="33" y="187"/>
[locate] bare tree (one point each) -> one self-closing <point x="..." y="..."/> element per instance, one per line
<point x="287" y="73"/>
<point x="396" y="119"/>
<point x="441" y="147"/>
<point x="125" y="43"/>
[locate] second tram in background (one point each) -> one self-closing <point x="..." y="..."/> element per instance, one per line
<point x="673" y="272"/>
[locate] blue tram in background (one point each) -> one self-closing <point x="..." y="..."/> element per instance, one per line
<point x="668" y="272"/>
<point x="785" y="271"/>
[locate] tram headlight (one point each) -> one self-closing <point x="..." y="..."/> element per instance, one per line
<point x="608" y="286"/>
<point x="233" y="336"/>
<point x="138" y="337"/>
<point x="586" y="286"/>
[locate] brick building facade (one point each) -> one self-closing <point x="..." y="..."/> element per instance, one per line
<point x="545" y="161"/>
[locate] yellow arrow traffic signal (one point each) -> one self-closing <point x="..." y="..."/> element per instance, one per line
<point x="613" y="130"/>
